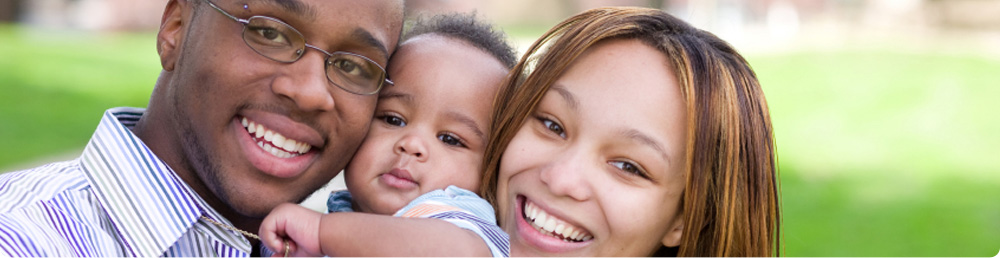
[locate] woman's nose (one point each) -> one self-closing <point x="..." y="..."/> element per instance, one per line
<point x="569" y="175"/>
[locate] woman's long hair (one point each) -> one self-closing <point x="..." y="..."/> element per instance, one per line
<point x="730" y="203"/>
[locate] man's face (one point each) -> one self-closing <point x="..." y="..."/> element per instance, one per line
<point x="304" y="128"/>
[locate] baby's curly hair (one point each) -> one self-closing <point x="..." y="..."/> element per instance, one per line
<point x="465" y="27"/>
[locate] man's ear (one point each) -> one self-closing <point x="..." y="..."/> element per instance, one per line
<point x="673" y="237"/>
<point x="171" y="34"/>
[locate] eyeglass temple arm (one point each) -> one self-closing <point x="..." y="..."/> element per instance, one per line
<point x="225" y="13"/>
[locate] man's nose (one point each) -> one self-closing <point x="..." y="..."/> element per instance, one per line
<point x="305" y="83"/>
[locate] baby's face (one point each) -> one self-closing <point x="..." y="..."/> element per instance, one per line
<point x="429" y="129"/>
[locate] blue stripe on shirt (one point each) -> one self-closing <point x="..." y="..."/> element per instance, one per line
<point x="495" y="237"/>
<point x="117" y="199"/>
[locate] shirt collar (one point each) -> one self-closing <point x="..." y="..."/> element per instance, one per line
<point x="146" y="201"/>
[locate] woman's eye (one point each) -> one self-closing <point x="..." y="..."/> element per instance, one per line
<point x="553" y="127"/>
<point x="450" y="140"/>
<point x="629" y="167"/>
<point x="392" y="120"/>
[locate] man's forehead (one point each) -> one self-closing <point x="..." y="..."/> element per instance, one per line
<point x="303" y="8"/>
<point x="296" y="7"/>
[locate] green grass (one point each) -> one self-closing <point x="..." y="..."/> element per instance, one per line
<point x="884" y="153"/>
<point x="881" y="153"/>
<point x="57" y="84"/>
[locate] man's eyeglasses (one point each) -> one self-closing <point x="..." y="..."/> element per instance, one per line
<point x="280" y="42"/>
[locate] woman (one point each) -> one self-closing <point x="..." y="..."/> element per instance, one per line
<point x="625" y="131"/>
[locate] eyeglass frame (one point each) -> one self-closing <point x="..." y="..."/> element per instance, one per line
<point x="301" y="52"/>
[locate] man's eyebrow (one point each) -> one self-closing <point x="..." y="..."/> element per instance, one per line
<point x="568" y="96"/>
<point x="369" y="39"/>
<point x="646" y="140"/>
<point x="468" y="122"/>
<point x="295" y="7"/>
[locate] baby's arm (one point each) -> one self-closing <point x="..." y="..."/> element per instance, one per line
<point x="362" y="234"/>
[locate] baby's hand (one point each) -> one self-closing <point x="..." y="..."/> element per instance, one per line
<point x="295" y="224"/>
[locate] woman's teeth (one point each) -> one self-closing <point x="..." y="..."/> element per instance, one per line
<point x="273" y="142"/>
<point x="552" y="226"/>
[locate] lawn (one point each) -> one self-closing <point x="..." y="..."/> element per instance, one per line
<point x="55" y="86"/>
<point x="881" y="152"/>
<point x="886" y="153"/>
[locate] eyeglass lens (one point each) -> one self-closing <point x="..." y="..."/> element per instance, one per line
<point x="280" y="42"/>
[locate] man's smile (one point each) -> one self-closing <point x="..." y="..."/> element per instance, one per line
<point x="275" y="144"/>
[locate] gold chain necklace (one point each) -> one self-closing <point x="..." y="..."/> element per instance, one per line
<point x="251" y="235"/>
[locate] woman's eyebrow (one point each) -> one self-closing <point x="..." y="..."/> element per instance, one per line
<point x="645" y="139"/>
<point x="566" y="95"/>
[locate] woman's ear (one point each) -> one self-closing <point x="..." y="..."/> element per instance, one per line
<point x="171" y="34"/>
<point x="673" y="237"/>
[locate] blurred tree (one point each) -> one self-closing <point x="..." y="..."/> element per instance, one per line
<point x="658" y="4"/>
<point x="10" y="10"/>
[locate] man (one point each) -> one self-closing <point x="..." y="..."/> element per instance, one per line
<point x="260" y="102"/>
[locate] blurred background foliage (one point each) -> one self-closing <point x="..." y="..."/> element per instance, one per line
<point x="884" y="111"/>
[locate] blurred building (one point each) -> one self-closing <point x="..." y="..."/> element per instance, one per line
<point x="779" y="17"/>
<point x="91" y="14"/>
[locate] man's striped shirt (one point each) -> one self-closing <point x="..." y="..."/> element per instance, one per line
<point x="116" y="199"/>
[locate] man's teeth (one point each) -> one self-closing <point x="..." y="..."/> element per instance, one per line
<point x="552" y="226"/>
<point x="278" y="145"/>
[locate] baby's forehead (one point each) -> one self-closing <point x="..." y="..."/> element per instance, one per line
<point x="434" y="53"/>
<point x="427" y="44"/>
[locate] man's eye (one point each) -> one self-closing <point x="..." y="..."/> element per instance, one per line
<point x="346" y="66"/>
<point x="270" y="35"/>
<point x="351" y="68"/>
<point x="450" y="140"/>
<point x="392" y="120"/>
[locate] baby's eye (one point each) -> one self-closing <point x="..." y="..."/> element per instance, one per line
<point x="629" y="167"/>
<point x="553" y="126"/>
<point x="392" y="119"/>
<point x="450" y="139"/>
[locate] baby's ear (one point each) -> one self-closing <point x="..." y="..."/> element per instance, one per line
<point x="673" y="237"/>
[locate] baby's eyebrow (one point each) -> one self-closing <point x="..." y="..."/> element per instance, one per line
<point x="468" y="122"/>
<point x="393" y="95"/>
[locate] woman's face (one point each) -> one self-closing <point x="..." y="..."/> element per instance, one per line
<point x="597" y="169"/>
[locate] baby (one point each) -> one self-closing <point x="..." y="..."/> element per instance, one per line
<point x="421" y="159"/>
